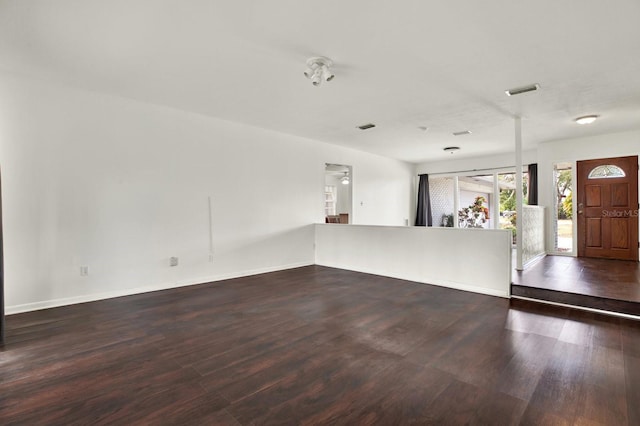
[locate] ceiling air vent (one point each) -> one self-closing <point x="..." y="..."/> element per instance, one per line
<point x="464" y="132"/>
<point x="524" y="89"/>
<point x="366" y="126"/>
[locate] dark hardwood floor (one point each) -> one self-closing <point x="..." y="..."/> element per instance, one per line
<point x="610" y="285"/>
<point x="317" y="345"/>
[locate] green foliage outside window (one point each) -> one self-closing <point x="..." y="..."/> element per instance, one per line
<point x="508" y="196"/>
<point x="563" y="194"/>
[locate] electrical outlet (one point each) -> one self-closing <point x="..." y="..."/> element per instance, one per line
<point x="210" y="257"/>
<point x="173" y="261"/>
<point x="84" y="271"/>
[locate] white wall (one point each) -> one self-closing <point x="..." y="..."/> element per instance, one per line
<point x="572" y="150"/>
<point x="120" y="186"/>
<point x="475" y="260"/>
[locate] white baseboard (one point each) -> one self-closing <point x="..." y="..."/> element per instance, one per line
<point x="439" y="283"/>
<point x="46" y="304"/>
<point x="472" y="289"/>
<point x="534" y="259"/>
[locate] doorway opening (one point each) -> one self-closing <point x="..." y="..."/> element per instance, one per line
<point x="338" y="184"/>
<point x="563" y="208"/>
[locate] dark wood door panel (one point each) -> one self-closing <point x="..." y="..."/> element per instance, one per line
<point x="619" y="233"/>
<point x="593" y="194"/>
<point x="620" y="195"/>
<point x="594" y="232"/>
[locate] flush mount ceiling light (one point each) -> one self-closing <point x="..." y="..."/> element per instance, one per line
<point x="586" y="119"/>
<point x="318" y="69"/>
<point x="345" y="179"/>
<point x="521" y="90"/>
<point x="451" y="149"/>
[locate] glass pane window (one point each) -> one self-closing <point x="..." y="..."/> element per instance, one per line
<point x="606" y="171"/>
<point x="563" y="217"/>
<point x="507" y="187"/>
<point x="476" y="198"/>
<point x="441" y="192"/>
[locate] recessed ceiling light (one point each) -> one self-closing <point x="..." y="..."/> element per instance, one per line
<point x="464" y="132"/>
<point x="586" y="119"/>
<point x="366" y="126"/>
<point x="524" y="89"/>
<point x="451" y="149"/>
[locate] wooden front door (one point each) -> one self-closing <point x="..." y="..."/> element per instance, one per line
<point x="607" y="196"/>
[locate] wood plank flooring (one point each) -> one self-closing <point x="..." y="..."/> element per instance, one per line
<point x="610" y="285"/>
<point x="318" y="345"/>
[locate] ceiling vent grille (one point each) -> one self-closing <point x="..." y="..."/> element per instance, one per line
<point x="524" y="89"/>
<point x="366" y="126"/>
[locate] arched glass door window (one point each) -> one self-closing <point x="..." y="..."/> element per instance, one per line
<point x="606" y="171"/>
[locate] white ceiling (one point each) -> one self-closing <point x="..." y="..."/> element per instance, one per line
<point x="401" y="65"/>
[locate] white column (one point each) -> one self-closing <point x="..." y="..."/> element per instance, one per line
<point x="519" y="214"/>
<point x="456" y="201"/>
